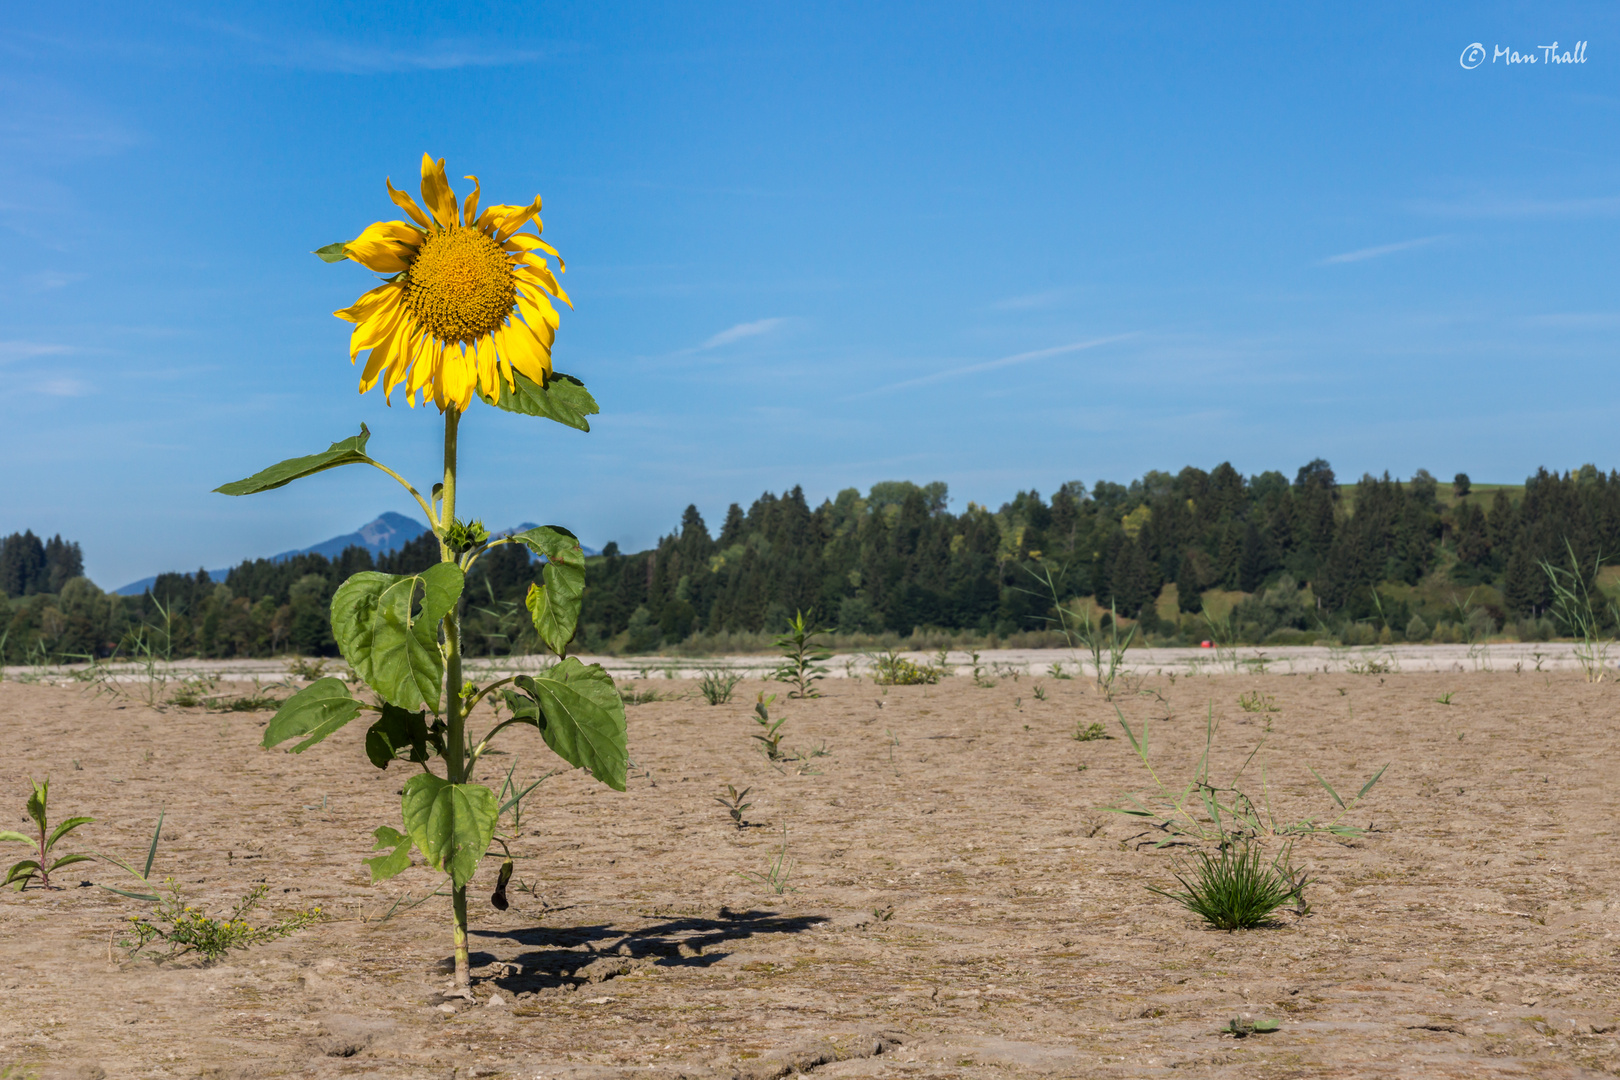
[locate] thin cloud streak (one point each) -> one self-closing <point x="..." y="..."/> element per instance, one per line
<point x="993" y="365"/>
<point x="742" y="331"/>
<point x="1363" y="254"/>
<point x="1492" y="207"/>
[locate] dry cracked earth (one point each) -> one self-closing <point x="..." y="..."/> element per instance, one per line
<point x="956" y="902"/>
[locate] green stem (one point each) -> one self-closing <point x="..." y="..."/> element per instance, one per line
<point x="455" y="717"/>
<point x="417" y="495"/>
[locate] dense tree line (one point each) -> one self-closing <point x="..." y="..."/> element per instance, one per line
<point x="1308" y="556"/>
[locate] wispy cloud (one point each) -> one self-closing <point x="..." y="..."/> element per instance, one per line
<point x="23" y="350"/>
<point x="743" y="331"/>
<point x="1493" y="206"/>
<point x="1031" y="302"/>
<point x="357" y="58"/>
<point x="1577" y="320"/>
<point x="993" y="365"/>
<point x="63" y="387"/>
<point x="1363" y="254"/>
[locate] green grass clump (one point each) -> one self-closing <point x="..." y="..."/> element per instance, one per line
<point x="1237" y="889"/>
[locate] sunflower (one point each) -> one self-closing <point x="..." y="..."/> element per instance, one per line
<point x="468" y="301"/>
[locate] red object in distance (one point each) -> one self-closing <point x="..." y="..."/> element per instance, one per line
<point x="1205" y="645"/>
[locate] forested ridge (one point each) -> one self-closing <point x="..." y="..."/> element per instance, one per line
<point x="1284" y="560"/>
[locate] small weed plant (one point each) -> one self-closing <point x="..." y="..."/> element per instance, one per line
<point x="716" y="685"/>
<point x="179" y="928"/>
<point x="802" y="657"/>
<point x="1572" y="604"/>
<point x="1256" y="702"/>
<point x="1084" y="732"/>
<point x="1237" y="888"/>
<point x="770" y="737"/>
<point x="732" y="800"/>
<point x="44" y="861"/>
<point x="631" y="696"/>
<point x="1445" y="698"/>
<point x="980" y="679"/>
<point x="775" y="877"/>
<point x="1204" y="812"/>
<point x="1083" y="633"/>
<point x="892" y="669"/>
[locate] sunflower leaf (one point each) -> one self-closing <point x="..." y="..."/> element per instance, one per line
<point x="555" y="608"/>
<point x="451" y="823"/>
<point x="390" y="638"/>
<point x="313" y="713"/>
<point x="563" y="398"/>
<point x="332" y="252"/>
<point x="351" y="451"/>
<point x="580" y="715"/>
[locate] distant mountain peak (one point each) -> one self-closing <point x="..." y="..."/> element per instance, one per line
<point x="384" y="534"/>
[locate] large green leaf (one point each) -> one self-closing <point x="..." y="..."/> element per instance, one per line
<point x="563" y="398"/>
<point x="398" y="859"/>
<point x="451" y="823"/>
<point x="580" y="715"/>
<point x="555" y="608"/>
<point x="397" y="731"/>
<point x="315" y="712"/>
<point x="391" y="638"/>
<point x="350" y="451"/>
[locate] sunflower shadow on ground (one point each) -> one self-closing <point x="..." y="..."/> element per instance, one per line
<point x="566" y="957"/>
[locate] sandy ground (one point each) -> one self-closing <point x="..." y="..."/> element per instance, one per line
<point x="957" y="903"/>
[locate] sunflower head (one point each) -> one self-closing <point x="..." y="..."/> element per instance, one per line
<point x="468" y="301"/>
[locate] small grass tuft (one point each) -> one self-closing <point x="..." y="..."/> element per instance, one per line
<point x="716" y="685"/>
<point x="1237" y="889"/>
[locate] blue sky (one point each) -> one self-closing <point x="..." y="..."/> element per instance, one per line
<point x="1000" y="245"/>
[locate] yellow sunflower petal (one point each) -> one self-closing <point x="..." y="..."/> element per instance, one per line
<point x="537" y="312"/>
<point x="514" y="221"/>
<point x="379" y="326"/>
<point x="524" y="351"/>
<point x="369" y="302"/>
<point x="489" y="374"/>
<point x="460" y="375"/>
<point x="540" y="276"/>
<point x="408" y="204"/>
<point x="489" y="215"/>
<point x="469" y="213"/>
<point x="380" y="247"/>
<point x="384" y="353"/>
<point x="441" y="201"/>
<point x="408" y="353"/>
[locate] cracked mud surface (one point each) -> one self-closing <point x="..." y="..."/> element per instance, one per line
<point x="957" y="904"/>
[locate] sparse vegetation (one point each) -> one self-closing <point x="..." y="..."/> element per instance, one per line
<point x="770" y="738"/>
<point x="892" y="669"/>
<point x="43" y="863"/>
<point x="184" y="928"/>
<point x="716" y="685"/>
<point x="732" y="800"/>
<point x="1236" y="888"/>
<point x="802" y="658"/>
<point x="1204" y="812"/>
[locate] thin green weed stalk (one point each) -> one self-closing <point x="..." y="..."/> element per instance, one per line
<point x="1572" y="604"/>
<point x="1205" y="812"/>
<point x="776" y="875"/>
